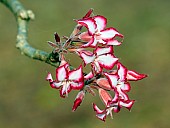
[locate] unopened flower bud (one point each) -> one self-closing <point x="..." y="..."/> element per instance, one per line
<point x="78" y="100"/>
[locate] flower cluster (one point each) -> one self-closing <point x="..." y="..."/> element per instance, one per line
<point x="108" y="75"/>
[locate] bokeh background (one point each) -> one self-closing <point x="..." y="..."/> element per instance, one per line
<point x="26" y="99"/>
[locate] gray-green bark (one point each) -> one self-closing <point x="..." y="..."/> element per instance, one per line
<point x="23" y="16"/>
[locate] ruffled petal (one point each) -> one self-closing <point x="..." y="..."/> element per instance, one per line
<point x="101" y="116"/>
<point x="88" y="44"/>
<point x="61" y="73"/>
<point x="53" y="84"/>
<point x="132" y="75"/>
<point x="93" y="42"/>
<point x="77" y="85"/>
<point x="103" y="50"/>
<point x="89" y="76"/>
<point x="90" y="24"/>
<point x="115" y="99"/>
<point x="113" y="79"/>
<point x="97" y="110"/>
<point x="87" y="58"/>
<point x="101" y="22"/>
<point x="122" y="72"/>
<point x="96" y="66"/>
<point x="126" y="87"/>
<point x="113" y="42"/>
<point x="49" y="77"/>
<point x="109" y="33"/>
<point x="101" y="41"/>
<point x="107" y="61"/>
<point x="65" y="90"/>
<point x="127" y="104"/>
<point x="114" y="102"/>
<point x="122" y="93"/>
<point x="56" y="85"/>
<point x="76" y="75"/>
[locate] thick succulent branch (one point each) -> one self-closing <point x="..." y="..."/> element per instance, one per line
<point x="22" y="17"/>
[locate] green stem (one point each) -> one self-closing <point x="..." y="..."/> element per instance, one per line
<point x="22" y="17"/>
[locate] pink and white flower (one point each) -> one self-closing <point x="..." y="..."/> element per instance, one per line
<point x="111" y="105"/>
<point x="119" y="80"/>
<point x="97" y="32"/>
<point x="67" y="80"/>
<point x="100" y="58"/>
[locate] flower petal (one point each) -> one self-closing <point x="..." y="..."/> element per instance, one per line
<point x="113" y="42"/>
<point x="105" y="96"/>
<point x="76" y="75"/>
<point x="77" y="85"/>
<point x="109" y="33"/>
<point x="65" y="90"/>
<point x="132" y="75"/>
<point x="103" y="50"/>
<point x="61" y="73"/>
<point x="113" y="79"/>
<point x="53" y="84"/>
<point x="89" y="76"/>
<point x="126" y="87"/>
<point x="122" y="93"/>
<point x="101" y="22"/>
<point x="87" y="58"/>
<point x="90" y="24"/>
<point x="85" y="36"/>
<point x="100" y="114"/>
<point x="107" y="61"/>
<point x="93" y="42"/>
<point x="98" y="111"/>
<point x="56" y="85"/>
<point x="104" y="83"/>
<point x="88" y="44"/>
<point x="122" y="72"/>
<point x="49" y="77"/>
<point x="96" y="67"/>
<point x="128" y="104"/>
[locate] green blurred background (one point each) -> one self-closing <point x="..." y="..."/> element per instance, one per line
<point x="26" y="99"/>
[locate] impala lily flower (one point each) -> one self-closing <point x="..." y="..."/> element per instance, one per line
<point x="119" y="79"/>
<point x="129" y="75"/>
<point x="111" y="105"/>
<point x="78" y="27"/>
<point x="106" y="98"/>
<point x="97" y="31"/>
<point x="101" y="58"/>
<point x="67" y="80"/>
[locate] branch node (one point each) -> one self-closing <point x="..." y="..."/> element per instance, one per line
<point x="31" y="14"/>
<point x="26" y="15"/>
